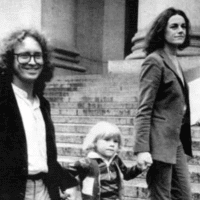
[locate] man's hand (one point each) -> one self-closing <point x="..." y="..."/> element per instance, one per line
<point x="71" y="194"/>
<point x="144" y="160"/>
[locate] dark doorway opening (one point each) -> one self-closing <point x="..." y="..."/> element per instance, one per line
<point x="131" y="22"/>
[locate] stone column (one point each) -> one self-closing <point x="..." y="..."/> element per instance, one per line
<point x="100" y="33"/>
<point x="149" y="10"/>
<point x="59" y="23"/>
<point x="55" y="18"/>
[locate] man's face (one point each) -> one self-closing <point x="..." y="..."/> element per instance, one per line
<point x="27" y="68"/>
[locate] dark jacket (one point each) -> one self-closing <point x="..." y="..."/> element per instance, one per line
<point x="13" y="149"/>
<point x="88" y="172"/>
<point x="161" y="122"/>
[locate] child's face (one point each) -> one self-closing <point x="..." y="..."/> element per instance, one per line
<point x="107" y="147"/>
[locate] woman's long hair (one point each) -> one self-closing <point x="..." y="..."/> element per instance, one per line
<point x="7" y="57"/>
<point x="155" y="38"/>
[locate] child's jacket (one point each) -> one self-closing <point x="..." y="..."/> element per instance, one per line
<point x="88" y="172"/>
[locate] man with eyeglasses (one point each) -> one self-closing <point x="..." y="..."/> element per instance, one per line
<point x="25" y="57"/>
<point x="29" y="169"/>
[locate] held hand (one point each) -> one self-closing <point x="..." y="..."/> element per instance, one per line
<point x="144" y="160"/>
<point x="70" y="194"/>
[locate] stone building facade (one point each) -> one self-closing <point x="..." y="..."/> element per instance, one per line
<point x="97" y="54"/>
<point x="87" y="34"/>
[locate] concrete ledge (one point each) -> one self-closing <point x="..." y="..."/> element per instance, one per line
<point x="125" y="66"/>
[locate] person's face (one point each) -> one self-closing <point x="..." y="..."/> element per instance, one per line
<point x="107" y="147"/>
<point x="175" y="31"/>
<point x="27" y="72"/>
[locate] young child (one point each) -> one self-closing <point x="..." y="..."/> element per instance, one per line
<point x="101" y="172"/>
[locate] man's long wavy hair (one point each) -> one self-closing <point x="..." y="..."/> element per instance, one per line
<point x="155" y="38"/>
<point x="7" y="57"/>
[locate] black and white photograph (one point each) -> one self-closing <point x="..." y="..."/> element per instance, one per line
<point x="100" y="100"/>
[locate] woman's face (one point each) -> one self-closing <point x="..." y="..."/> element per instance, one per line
<point x="28" y="61"/>
<point x="175" y="31"/>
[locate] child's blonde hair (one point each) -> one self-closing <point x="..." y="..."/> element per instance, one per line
<point x="101" y="130"/>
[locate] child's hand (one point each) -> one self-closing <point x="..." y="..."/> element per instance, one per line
<point x="70" y="194"/>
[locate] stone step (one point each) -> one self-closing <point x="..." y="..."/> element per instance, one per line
<point x="136" y="188"/>
<point x="132" y="191"/>
<point x="75" y="150"/>
<point x="78" y="97"/>
<point x="196" y="144"/>
<point x="94" y="79"/>
<point x="196" y="158"/>
<point x="120" y="112"/>
<point x="195" y="131"/>
<point x="94" y="105"/>
<point x="195" y="173"/>
<point x="75" y="78"/>
<point x="104" y="80"/>
<point x="139" y="186"/>
<point x="90" y="120"/>
<point x="111" y="85"/>
<point x="92" y="96"/>
<point x="126" y="153"/>
<point x="127" y="140"/>
<point x="96" y="88"/>
<point x="84" y="128"/>
<point x="99" y="88"/>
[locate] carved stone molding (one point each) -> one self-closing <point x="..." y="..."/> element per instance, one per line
<point x="65" y="57"/>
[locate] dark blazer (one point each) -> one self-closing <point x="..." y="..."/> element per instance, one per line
<point x="161" y="114"/>
<point x="13" y="149"/>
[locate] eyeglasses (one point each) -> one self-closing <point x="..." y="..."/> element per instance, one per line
<point x="25" y="58"/>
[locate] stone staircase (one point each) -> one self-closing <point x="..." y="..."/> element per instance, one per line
<point x="78" y="102"/>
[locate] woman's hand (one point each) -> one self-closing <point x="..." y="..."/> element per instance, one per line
<point x="144" y="160"/>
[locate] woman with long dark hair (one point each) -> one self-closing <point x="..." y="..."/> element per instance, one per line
<point x="162" y="124"/>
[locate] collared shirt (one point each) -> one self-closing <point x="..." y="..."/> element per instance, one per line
<point x="181" y="76"/>
<point x="179" y="72"/>
<point x="35" y="131"/>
